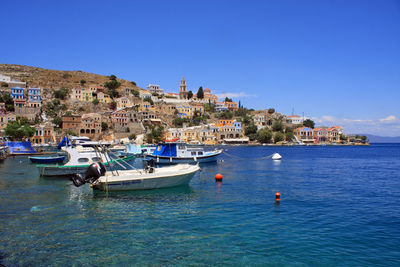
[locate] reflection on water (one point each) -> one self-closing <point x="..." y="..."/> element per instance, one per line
<point x="231" y="223"/>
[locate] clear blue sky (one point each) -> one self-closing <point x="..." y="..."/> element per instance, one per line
<point x="336" y="61"/>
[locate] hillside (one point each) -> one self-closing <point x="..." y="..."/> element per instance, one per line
<point x="54" y="79"/>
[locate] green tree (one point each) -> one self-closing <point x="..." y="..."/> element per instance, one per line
<point x="8" y="101"/>
<point x="112" y="86"/>
<point x="148" y="99"/>
<point x="227" y="99"/>
<point x="83" y="82"/>
<point x="61" y="93"/>
<point x="264" y="136"/>
<point x="289" y="136"/>
<point x="200" y="93"/>
<point x="250" y="129"/>
<point x="132" y="137"/>
<point x="271" y="111"/>
<point x="135" y="93"/>
<point x="209" y="107"/>
<point x="277" y="126"/>
<point x="18" y="131"/>
<point x="309" y="123"/>
<point x="95" y="101"/>
<point x="364" y="138"/>
<point x="58" y="121"/>
<point x="225" y="115"/>
<point x="104" y="126"/>
<point x="343" y="137"/>
<point x="278" y="137"/>
<point x="133" y="83"/>
<point x="190" y="94"/>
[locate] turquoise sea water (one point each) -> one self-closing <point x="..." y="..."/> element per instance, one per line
<point x="340" y="207"/>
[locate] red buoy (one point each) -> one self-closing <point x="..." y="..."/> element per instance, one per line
<point x="218" y="177"/>
<point x="277" y="197"/>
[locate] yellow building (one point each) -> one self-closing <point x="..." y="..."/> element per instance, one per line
<point x="123" y="102"/>
<point x="103" y="98"/>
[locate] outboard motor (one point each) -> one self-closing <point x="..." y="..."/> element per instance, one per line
<point x="148" y="165"/>
<point x="93" y="173"/>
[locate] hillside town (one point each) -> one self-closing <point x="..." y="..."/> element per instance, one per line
<point x="110" y="112"/>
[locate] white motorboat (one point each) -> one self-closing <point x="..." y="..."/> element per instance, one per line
<point x="149" y="178"/>
<point x="79" y="159"/>
<point x="171" y="153"/>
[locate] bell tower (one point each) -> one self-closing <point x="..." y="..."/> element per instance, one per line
<point x="182" y="91"/>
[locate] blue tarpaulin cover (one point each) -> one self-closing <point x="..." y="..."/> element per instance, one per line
<point x="167" y="150"/>
<point x="64" y="142"/>
<point x="20" y="147"/>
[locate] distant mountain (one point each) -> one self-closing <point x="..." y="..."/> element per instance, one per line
<point x="382" y="139"/>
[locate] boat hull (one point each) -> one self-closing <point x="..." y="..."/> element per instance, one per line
<point x="145" y="181"/>
<point x="47" y="160"/>
<point x="65" y="171"/>
<point x="177" y="160"/>
<point x="62" y="170"/>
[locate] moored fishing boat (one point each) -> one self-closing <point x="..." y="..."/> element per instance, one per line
<point x="171" y="153"/>
<point x="49" y="159"/>
<point x="148" y="178"/>
<point x="20" y="148"/>
<point x="79" y="159"/>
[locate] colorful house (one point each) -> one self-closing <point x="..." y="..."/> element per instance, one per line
<point x="103" y="98"/>
<point x="44" y="134"/>
<point x="17" y="93"/>
<point x="304" y="134"/>
<point x="320" y="135"/>
<point x="232" y="106"/>
<point x="34" y="98"/>
<point x="184" y="111"/>
<point x="220" y="106"/>
<point x="210" y="97"/>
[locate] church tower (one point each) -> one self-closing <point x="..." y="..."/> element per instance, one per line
<point x="182" y="92"/>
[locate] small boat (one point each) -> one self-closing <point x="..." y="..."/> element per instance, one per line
<point x="20" y="148"/>
<point x="79" y="159"/>
<point x="148" y="149"/>
<point x="130" y="149"/>
<point x="148" y="178"/>
<point x="172" y="153"/>
<point x="49" y="159"/>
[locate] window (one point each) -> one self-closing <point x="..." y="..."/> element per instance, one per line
<point x="193" y="153"/>
<point x="200" y="153"/>
<point x="83" y="160"/>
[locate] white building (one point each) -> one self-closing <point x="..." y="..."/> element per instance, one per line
<point x="294" y="119"/>
<point x="155" y="88"/>
<point x="8" y="80"/>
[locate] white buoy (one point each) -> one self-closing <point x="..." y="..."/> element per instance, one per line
<point x="276" y="156"/>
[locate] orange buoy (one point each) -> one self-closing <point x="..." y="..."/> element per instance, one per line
<point x="218" y="177"/>
<point x="277" y="197"/>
